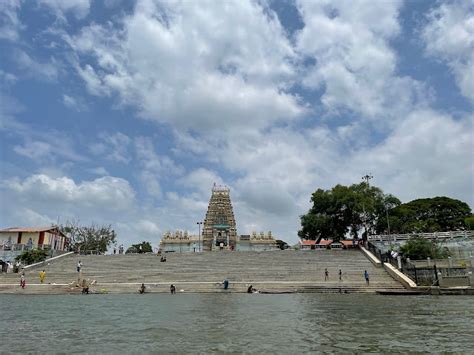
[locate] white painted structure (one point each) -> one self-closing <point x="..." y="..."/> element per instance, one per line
<point x="182" y="242"/>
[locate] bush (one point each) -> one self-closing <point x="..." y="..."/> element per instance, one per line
<point x="469" y="222"/>
<point x="143" y="247"/>
<point x="419" y="248"/>
<point x="32" y="256"/>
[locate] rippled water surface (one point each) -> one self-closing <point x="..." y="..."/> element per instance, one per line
<point x="236" y="323"/>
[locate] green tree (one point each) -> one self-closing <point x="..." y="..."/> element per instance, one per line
<point x="282" y="244"/>
<point x="469" y="221"/>
<point x="32" y="256"/>
<point x="143" y="247"/>
<point x="93" y="237"/>
<point x="438" y="214"/>
<point x="345" y="209"/>
<point x="418" y="248"/>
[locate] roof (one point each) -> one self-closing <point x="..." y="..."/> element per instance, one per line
<point x="31" y="230"/>
<point x="325" y="242"/>
<point x="27" y="229"/>
<point x="308" y="242"/>
<point x="349" y="242"/>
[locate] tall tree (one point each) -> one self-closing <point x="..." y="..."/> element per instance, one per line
<point x="345" y="210"/>
<point x="438" y="214"/>
<point x="93" y="237"/>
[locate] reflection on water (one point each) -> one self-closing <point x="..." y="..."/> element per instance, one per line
<point x="236" y="323"/>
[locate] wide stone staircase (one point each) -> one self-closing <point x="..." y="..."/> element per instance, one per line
<point x="273" y="272"/>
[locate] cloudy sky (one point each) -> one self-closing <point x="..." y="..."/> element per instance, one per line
<point x="127" y="112"/>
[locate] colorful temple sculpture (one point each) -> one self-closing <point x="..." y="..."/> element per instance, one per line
<point x="219" y="225"/>
<point x="219" y="231"/>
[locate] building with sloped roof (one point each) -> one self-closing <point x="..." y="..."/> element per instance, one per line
<point x="24" y="238"/>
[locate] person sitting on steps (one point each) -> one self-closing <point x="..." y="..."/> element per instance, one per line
<point x="252" y="289"/>
<point x="85" y="287"/>
<point x="142" y="289"/>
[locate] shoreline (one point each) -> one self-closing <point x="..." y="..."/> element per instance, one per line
<point x="273" y="287"/>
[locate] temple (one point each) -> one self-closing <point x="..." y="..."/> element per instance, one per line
<point x="219" y="231"/>
<point x="219" y="225"/>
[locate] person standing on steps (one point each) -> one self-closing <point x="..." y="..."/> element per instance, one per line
<point x="340" y="275"/>
<point x="326" y="274"/>
<point x="79" y="266"/>
<point x="172" y="289"/>
<point x="366" y="275"/>
<point x="142" y="289"/>
<point x="42" y="276"/>
<point x="225" y="283"/>
<point x="22" y="280"/>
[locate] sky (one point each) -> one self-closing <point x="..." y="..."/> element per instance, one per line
<point x="127" y="112"/>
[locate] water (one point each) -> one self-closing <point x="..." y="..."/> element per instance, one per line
<point x="290" y="323"/>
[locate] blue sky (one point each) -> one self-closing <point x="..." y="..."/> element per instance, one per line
<point x="127" y="112"/>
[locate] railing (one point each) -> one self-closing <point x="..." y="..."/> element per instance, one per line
<point x="14" y="247"/>
<point x="435" y="235"/>
<point x="425" y="272"/>
<point x="90" y="252"/>
<point x="443" y="263"/>
<point x="23" y="247"/>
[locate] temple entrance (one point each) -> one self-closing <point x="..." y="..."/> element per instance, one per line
<point x="221" y="240"/>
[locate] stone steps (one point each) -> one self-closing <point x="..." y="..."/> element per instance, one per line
<point x="278" y="271"/>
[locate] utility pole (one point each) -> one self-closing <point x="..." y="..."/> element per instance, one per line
<point x="388" y="220"/>
<point x="199" y="235"/>
<point x="366" y="178"/>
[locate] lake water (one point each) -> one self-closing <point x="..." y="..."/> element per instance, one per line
<point x="256" y="323"/>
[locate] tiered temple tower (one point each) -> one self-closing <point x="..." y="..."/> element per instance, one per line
<point x="219" y="225"/>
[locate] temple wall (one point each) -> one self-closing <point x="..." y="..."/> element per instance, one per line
<point x="248" y="246"/>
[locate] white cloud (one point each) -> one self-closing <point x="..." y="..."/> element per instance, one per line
<point x="6" y="79"/>
<point x="140" y="152"/>
<point x="428" y="155"/>
<point x="449" y="36"/>
<point x="113" y="146"/>
<point x="106" y="192"/>
<point x="29" y="217"/>
<point x="9" y="107"/>
<point x="224" y="64"/>
<point x="39" y="150"/>
<point x="80" y="8"/>
<point x="154" y="167"/>
<point x="74" y="103"/>
<point x="42" y="199"/>
<point x="10" y="24"/>
<point x="201" y="180"/>
<point x="100" y="170"/>
<point x="112" y="3"/>
<point x="47" y="71"/>
<point x="354" y="65"/>
<point x="34" y="150"/>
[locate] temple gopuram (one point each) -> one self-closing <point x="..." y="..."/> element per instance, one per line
<point x="219" y="231"/>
